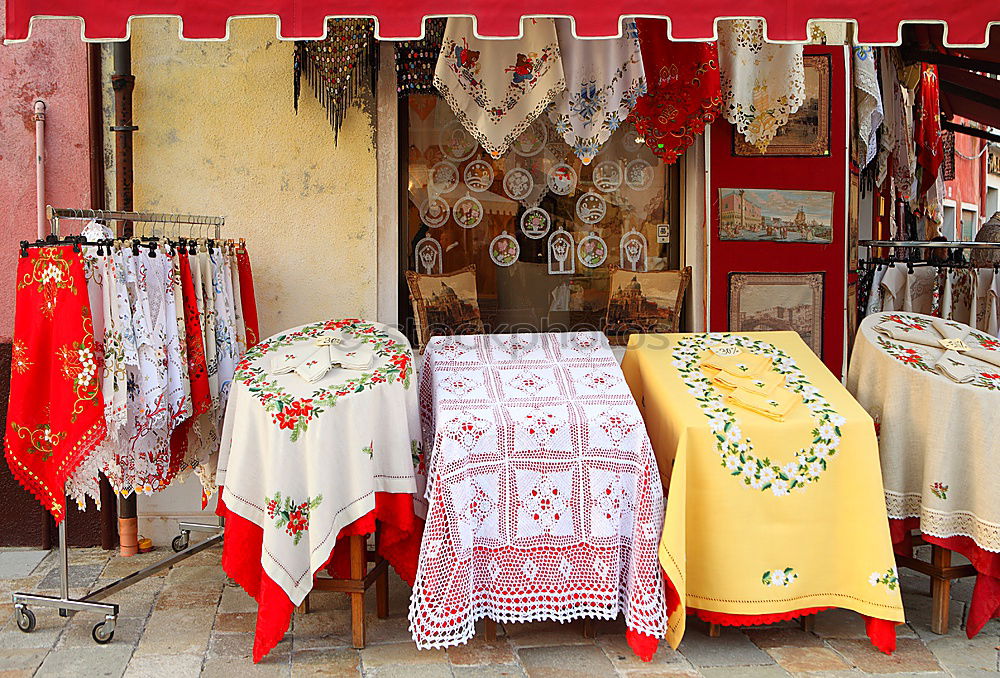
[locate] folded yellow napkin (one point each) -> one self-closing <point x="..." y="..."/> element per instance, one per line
<point x="763" y="384"/>
<point x="774" y="406"/>
<point x="743" y="365"/>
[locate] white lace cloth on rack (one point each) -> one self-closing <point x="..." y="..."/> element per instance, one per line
<point x="498" y="87"/>
<point x="762" y="83"/>
<point x="937" y="438"/>
<point x="545" y="500"/>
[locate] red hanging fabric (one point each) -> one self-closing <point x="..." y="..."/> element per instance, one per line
<point x="197" y="369"/>
<point x="56" y="412"/>
<point x="247" y="298"/>
<point x="683" y="91"/>
<point x="927" y="129"/>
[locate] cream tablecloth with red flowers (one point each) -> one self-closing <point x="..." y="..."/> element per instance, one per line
<point x="545" y="503"/>
<point x="938" y="443"/>
<point x="303" y="462"/>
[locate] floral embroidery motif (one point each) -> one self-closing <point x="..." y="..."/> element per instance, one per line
<point x="783" y="577"/>
<point x="369" y="449"/>
<point x="736" y="451"/>
<point x="903" y="354"/>
<point x="19" y="357"/>
<point x="939" y="490"/>
<point x="291" y="516"/>
<point x="52" y="273"/>
<point x="294" y="414"/>
<point x="40" y="440"/>
<point x="889" y="579"/>
<point x="78" y="362"/>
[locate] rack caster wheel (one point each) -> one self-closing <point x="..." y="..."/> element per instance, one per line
<point x="180" y="542"/>
<point x="103" y="632"/>
<point x="25" y="619"/>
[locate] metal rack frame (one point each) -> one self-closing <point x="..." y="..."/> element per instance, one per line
<point x="955" y="245"/>
<point x="104" y="631"/>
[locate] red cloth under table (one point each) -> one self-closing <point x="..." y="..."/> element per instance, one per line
<point x="881" y="632"/>
<point x="986" y="594"/>
<point x="399" y="531"/>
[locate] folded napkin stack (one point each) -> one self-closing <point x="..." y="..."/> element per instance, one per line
<point x="314" y="361"/>
<point x="750" y="383"/>
<point x="962" y="355"/>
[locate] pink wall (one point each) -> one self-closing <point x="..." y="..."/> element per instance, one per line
<point x="52" y="66"/>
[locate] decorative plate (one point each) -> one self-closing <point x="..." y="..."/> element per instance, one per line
<point x="535" y="223"/>
<point x="478" y="175"/>
<point x="592" y="251"/>
<point x="518" y="183"/>
<point x="468" y="211"/>
<point x="532" y="140"/>
<point x="608" y="176"/>
<point x="456" y="143"/>
<point x="504" y="249"/>
<point x="434" y="213"/>
<point x="562" y="179"/>
<point x="591" y="208"/>
<point x="443" y="178"/>
<point x="638" y="174"/>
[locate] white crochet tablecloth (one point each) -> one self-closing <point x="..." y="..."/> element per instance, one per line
<point x="544" y="497"/>
<point x="937" y="438"/>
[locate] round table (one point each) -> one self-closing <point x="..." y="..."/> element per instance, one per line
<point x="937" y="443"/>
<point x="304" y="464"/>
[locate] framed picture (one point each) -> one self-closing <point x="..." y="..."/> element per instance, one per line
<point x="807" y="132"/>
<point x="765" y="302"/>
<point x="853" y="225"/>
<point x="776" y="215"/>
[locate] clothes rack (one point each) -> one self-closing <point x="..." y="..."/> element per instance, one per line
<point x="103" y="631"/>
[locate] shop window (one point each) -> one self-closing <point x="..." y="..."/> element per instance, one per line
<point x="970" y="224"/>
<point x="542" y="228"/>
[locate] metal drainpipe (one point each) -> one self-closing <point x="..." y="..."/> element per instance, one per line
<point x="123" y="82"/>
<point x="39" y="116"/>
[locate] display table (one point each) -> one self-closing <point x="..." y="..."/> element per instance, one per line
<point x="544" y="503"/>
<point x="307" y="464"/>
<point x="938" y="443"/>
<point x="765" y="520"/>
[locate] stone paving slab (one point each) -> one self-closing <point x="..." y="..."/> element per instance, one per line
<point x="20" y="563"/>
<point x="191" y="622"/>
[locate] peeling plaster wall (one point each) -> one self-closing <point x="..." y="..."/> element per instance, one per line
<point x="52" y="66"/>
<point x="218" y="135"/>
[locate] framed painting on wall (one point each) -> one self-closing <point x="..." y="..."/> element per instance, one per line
<point x="775" y="215"/>
<point x="807" y="132"/>
<point x="767" y="302"/>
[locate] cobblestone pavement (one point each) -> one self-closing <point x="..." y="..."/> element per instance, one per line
<point x="190" y="621"/>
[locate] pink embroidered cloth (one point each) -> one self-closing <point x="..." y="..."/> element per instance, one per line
<point x="544" y="498"/>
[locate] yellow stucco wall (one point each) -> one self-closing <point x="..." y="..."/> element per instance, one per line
<point x="218" y="135"/>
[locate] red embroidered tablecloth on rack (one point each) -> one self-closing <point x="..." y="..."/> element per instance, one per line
<point x="544" y="501"/>
<point x="305" y="463"/>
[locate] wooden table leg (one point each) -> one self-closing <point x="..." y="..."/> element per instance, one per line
<point x="304" y="607"/>
<point x="940" y="591"/>
<point x="382" y="594"/>
<point x="589" y="628"/>
<point x="489" y="630"/>
<point x="808" y="623"/>
<point x="714" y="630"/>
<point x="359" y="565"/>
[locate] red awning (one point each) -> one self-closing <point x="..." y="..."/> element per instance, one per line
<point x="878" y="20"/>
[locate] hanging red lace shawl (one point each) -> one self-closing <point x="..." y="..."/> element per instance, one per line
<point x="247" y="298"/>
<point x="197" y="369"/>
<point x="56" y="413"/>
<point x="683" y="92"/>
<point x="927" y="130"/>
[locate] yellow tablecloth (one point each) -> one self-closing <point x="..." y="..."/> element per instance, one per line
<point x="763" y="517"/>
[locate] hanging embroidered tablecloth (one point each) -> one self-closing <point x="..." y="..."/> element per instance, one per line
<point x="56" y="413"/>
<point x="604" y="79"/>
<point x="683" y="92"/>
<point x="543" y="498"/>
<point x="937" y="439"/>
<point x="868" y="101"/>
<point x="762" y="83"/>
<point x="774" y="500"/>
<point x="306" y="462"/>
<point x="498" y="87"/>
